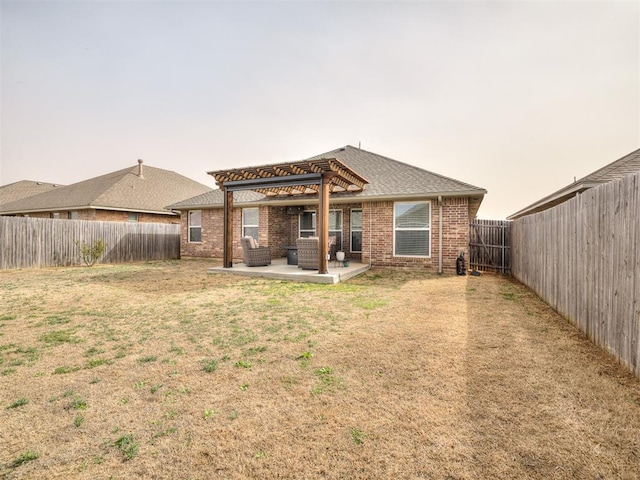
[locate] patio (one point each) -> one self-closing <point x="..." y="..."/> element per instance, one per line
<point x="281" y="271"/>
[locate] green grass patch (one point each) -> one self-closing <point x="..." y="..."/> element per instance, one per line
<point x="18" y="403"/>
<point x="65" y="369"/>
<point x="209" y="366"/>
<point x="25" y="457"/>
<point x="78" y="420"/>
<point x="59" y="337"/>
<point x="96" y="362"/>
<point x="56" y="320"/>
<point x="370" y="303"/>
<point x="78" y="404"/>
<point x="357" y="436"/>
<point x="127" y="446"/>
<point x="147" y="359"/>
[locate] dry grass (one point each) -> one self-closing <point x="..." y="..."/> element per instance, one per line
<point x="162" y="371"/>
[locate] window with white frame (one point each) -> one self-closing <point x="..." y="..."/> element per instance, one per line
<point x="356" y="230"/>
<point x="132" y="216"/>
<point x="412" y="229"/>
<point x="195" y="226"/>
<point x="335" y="227"/>
<point x="250" y="222"/>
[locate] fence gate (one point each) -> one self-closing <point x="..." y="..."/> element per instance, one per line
<point x="490" y="245"/>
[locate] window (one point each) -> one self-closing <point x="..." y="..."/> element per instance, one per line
<point x="308" y="224"/>
<point x="72" y="215"/>
<point x="132" y="217"/>
<point x="335" y="227"/>
<point x="356" y="231"/>
<point x="250" y="222"/>
<point x="412" y="229"/>
<point x="54" y="215"/>
<point x="195" y="226"/>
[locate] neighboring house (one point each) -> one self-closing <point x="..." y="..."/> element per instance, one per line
<point x="136" y="194"/>
<point x="624" y="166"/>
<point x="23" y="189"/>
<point x="404" y="216"/>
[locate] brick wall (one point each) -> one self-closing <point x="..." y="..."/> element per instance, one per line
<point x="272" y="231"/>
<point x="278" y="229"/>
<point x="377" y="244"/>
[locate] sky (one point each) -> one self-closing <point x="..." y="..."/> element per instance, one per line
<point x="515" y="97"/>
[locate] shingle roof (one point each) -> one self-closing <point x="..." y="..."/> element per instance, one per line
<point x="630" y="163"/>
<point x="391" y="178"/>
<point x="120" y="190"/>
<point x="387" y="178"/>
<point x="23" y="189"/>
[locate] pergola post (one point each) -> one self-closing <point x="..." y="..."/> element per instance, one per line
<point x="323" y="223"/>
<point x="228" y="228"/>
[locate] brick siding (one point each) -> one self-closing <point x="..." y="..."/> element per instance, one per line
<point x="278" y="229"/>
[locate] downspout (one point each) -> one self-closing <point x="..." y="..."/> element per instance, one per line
<point x="440" y="234"/>
<point x="370" y="228"/>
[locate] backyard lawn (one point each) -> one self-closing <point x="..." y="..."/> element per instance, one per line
<point x="163" y="371"/>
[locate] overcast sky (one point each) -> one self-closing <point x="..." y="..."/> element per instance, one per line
<point x="515" y="97"/>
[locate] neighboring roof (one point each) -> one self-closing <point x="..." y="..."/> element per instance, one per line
<point x="623" y="166"/>
<point x="387" y="179"/>
<point x="121" y="190"/>
<point x="23" y="189"/>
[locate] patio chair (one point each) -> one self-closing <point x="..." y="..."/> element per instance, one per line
<point x="253" y="255"/>
<point x="308" y="252"/>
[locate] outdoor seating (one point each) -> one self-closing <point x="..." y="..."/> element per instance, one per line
<point x="308" y="252"/>
<point x="253" y="255"/>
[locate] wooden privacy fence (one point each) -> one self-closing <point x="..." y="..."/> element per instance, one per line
<point x="42" y="242"/>
<point x="490" y="245"/>
<point x="583" y="258"/>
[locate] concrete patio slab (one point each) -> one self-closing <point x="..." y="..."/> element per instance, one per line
<point x="281" y="271"/>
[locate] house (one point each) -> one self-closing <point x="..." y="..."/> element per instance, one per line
<point x="135" y="194"/>
<point x="383" y="212"/>
<point x="23" y="189"/>
<point x="623" y="166"/>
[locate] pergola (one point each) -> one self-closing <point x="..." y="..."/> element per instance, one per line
<point x="303" y="178"/>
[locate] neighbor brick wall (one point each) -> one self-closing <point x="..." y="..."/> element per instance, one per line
<point x="109" y="216"/>
<point x="116" y="216"/>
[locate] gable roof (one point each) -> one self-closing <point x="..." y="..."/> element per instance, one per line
<point x="630" y="163"/>
<point x="388" y="179"/>
<point x="23" y="189"/>
<point x="121" y="190"/>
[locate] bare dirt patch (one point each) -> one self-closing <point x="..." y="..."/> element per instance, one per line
<point x="159" y="370"/>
